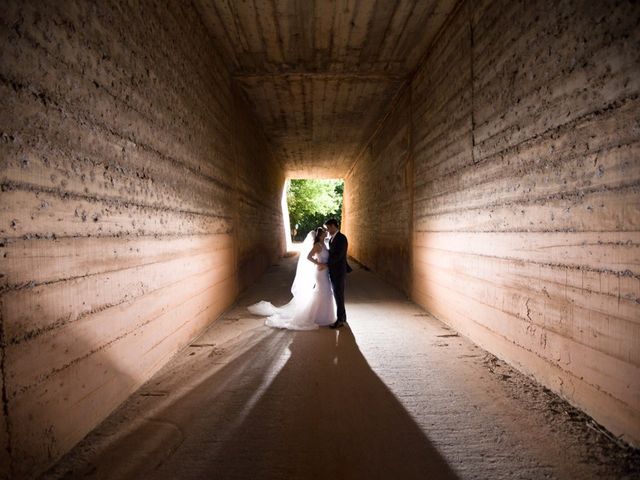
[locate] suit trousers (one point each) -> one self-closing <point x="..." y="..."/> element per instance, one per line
<point x="337" y="283"/>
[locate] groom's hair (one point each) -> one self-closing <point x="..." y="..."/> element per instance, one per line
<point x="332" y="221"/>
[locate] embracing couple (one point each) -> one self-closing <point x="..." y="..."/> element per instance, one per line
<point x="318" y="288"/>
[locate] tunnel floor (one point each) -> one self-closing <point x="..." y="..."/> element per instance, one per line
<point x="394" y="395"/>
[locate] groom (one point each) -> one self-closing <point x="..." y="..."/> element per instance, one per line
<point x="338" y="268"/>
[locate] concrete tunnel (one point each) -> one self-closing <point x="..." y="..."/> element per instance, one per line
<point x="491" y="158"/>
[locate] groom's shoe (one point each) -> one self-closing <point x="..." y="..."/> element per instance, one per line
<point x="337" y="324"/>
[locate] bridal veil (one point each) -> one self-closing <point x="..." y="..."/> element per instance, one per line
<point x="302" y="291"/>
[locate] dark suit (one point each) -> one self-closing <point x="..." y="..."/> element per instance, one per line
<point x="338" y="269"/>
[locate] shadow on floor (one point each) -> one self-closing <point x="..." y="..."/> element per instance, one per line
<point x="325" y="414"/>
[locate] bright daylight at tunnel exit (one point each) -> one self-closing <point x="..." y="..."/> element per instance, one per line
<point x="299" y="239"/>
<point x="307" y="204"/>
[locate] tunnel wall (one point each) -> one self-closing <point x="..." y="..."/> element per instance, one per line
<point x="525" y="145"/>
<point x="378" y="191"/>
<point x="133" y="197"/>
<point x="259" y="185"/>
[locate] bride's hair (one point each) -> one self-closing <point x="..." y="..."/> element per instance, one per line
<point x="316" y="235"/>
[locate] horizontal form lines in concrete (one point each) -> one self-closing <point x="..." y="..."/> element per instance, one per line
<point x="526" y="201"/>
<point x="320" y="75"/>
<point x="128" y="158"/>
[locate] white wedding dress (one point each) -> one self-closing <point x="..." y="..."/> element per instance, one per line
<point x="312" y="305"/>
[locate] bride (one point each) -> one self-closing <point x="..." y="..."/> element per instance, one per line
<point x="313" y="304"/>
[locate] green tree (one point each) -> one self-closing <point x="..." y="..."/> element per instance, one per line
<point x="311" y="202"/>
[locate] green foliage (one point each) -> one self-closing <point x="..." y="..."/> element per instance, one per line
<point x="311" y="202"/>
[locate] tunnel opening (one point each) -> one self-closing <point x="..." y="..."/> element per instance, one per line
<point x="307" y="203"/>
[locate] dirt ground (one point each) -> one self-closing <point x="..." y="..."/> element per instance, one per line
<point x="395" y="395"/>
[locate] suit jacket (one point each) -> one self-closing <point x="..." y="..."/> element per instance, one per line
<point x="338" y="265"/>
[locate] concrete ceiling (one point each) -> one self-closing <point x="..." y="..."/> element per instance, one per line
<point x="321" y="74"/>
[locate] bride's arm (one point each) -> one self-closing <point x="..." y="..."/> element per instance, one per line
<point x="316" y="248"/>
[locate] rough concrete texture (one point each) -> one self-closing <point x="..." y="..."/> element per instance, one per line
<point x="396" y="395"/>
<point x="525" y="207"/>
<point x="139" y="195"/>
<point x="377" y="201"/>
<point x="320" y="74"/>
<point x="134" y="187"/>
